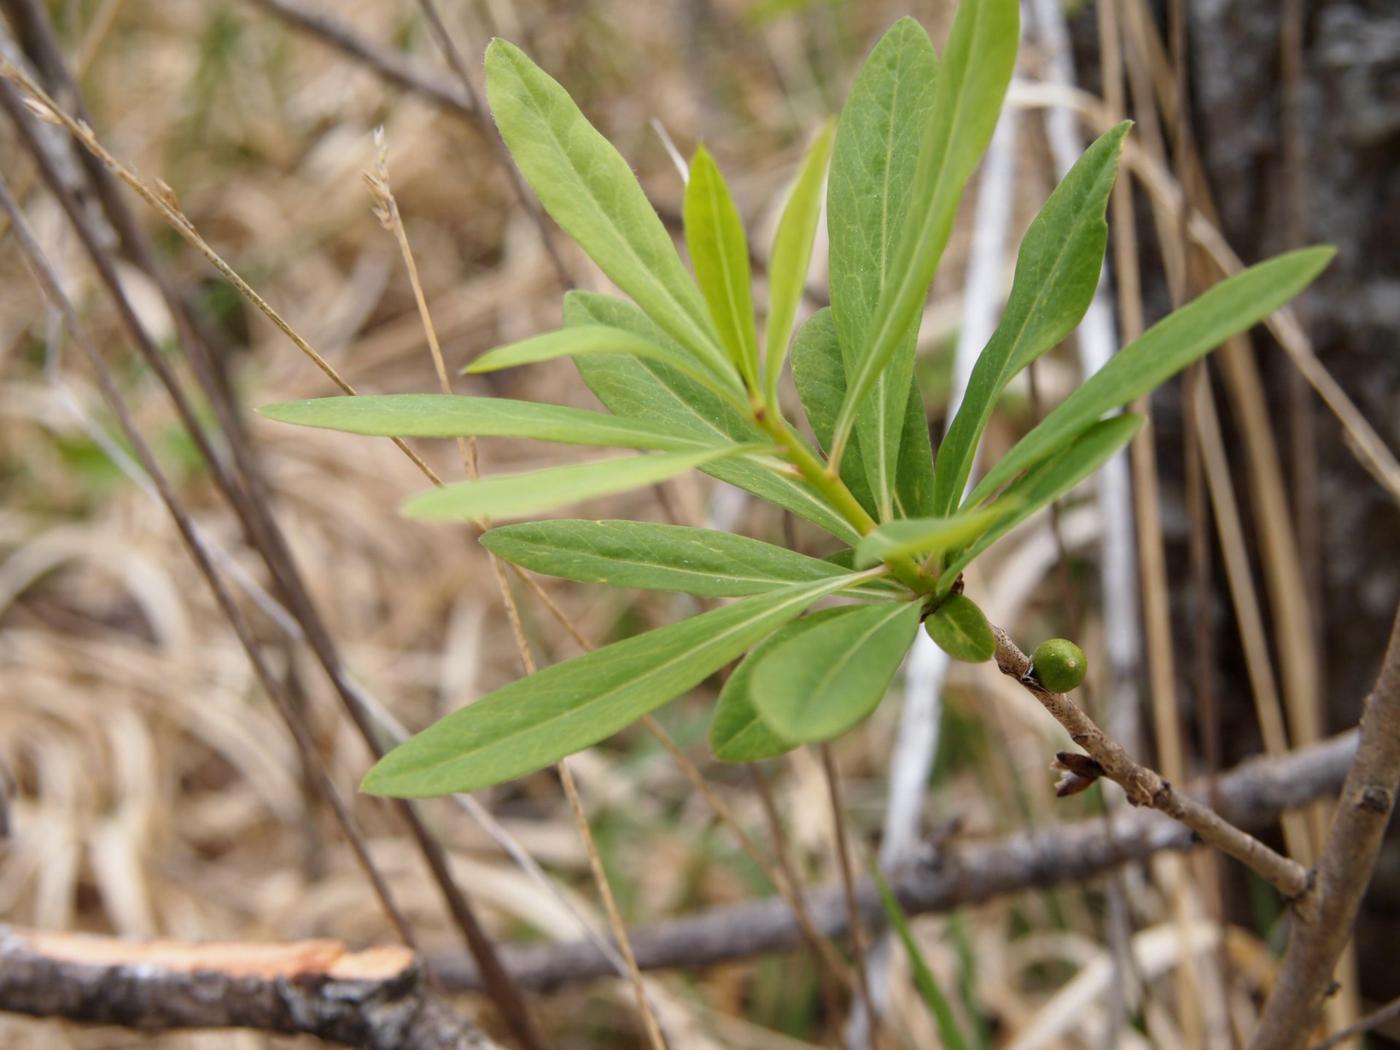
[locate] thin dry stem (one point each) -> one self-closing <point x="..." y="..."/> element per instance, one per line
<point x="522" y="194"/>
<point x="782" y="850"/>
<point x="245" y="492"/>
<point x="782" y="878"/>
<point x="47" y="280"/>
<point x="163" y="204"/>
<point x="387" y="211"/>
<point x="859" y="941"/>
<point x="1389" y="1012"/>
<point x="389" y="65"/>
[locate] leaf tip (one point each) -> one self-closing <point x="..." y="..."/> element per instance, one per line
<point x="377" y="781"/>
<point x="285" y="411"/>
<point x="499" y="49"/>
<point x="422" y="507"/>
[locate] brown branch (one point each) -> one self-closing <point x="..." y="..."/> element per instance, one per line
<point x="1389" y="1012"/>
<point x="374" y="999"/>
<point x="1252" y="795"/>
<point x="1146" y="787"/>
<point x="1321" y="931"/>
<point x="390" y="65"/>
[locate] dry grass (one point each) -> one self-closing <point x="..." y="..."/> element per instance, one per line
<point x="154" y="789"/>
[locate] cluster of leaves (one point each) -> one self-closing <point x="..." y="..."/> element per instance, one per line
<point x="680" y="372"/>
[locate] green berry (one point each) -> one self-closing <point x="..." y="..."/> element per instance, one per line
<point x="1059" y="665"/>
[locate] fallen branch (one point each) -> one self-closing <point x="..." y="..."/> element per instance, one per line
<point x="1253" y="795"/>
<point x="1322" y="930"/>
<point x="1147" y="787"/>
<point x="376" y="999"/>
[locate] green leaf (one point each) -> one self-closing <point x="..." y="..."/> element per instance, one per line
<point x="821" y="382"/>
<point x="590" y="191"/>
<point x="820" y="378"/>
<point x="791" y="257"/>
<point x="600" y="339"/>
<point x="926" y="536"/>
<point x="737" y="733"/>
<point x="537" y="720"/>
<point x="1049" y="480"/>
<point x="1057" y="272"/>
<point x="538" y="491"/>
<point x="818" y="682"/>
<point x="868" y="205"/>
<point x="452" y="415"/>
<point x="1159" y="353"/>
<point x="638" y="388"/>
<point x="719" y="251"/>
<point x="656" y="557"/>
<point x="914" y="474"/>
<point x="949" y="1034"/>
<point x="961" y="630"/>
<point x="971" y="83"/>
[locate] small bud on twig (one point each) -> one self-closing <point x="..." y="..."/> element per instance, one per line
<point x="1080" y="772"/>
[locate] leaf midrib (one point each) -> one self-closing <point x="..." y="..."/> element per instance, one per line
<point x="673" y="570"/>
<point x="853" y="649"/>
<point x="576" y="177"/>
<point x="535" y="728"/>
<point x="886" y="319"/>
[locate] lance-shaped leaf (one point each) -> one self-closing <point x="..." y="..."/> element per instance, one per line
<point x="737" y="733"/>
<point x="1057" y="272"/>
<point x="538" y="491"/>
<point x="655" y="557"/>
<point x="638" y="388"/>
<point x="719" y="251"/>
<point x="821" y="383"/>
<point x="873" y="166"/>
<point x="791" y="256"/>
<point x="583" y="340"/>
<point x="971" y="84"/>
<point x="1048" y="481"/>
<point x="536" y="720"/>
<point x="1159" y="353"/>
<point x="923" y="537"/>
<point x="590" y="191"/>
<point x="824" y="679"/>
<point x="961" y="630"/>
<point x="452" y="415"/>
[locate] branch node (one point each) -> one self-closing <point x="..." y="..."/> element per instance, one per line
<point x="1375" y="800"/>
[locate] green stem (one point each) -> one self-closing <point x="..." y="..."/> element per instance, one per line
<point x="835" y="492"/>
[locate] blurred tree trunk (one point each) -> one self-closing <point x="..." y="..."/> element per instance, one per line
<point x="1303" y="151"/>
<point x="1348" y="194"/>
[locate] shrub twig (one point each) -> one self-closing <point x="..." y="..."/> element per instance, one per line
<point x="1146" y="787"/>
